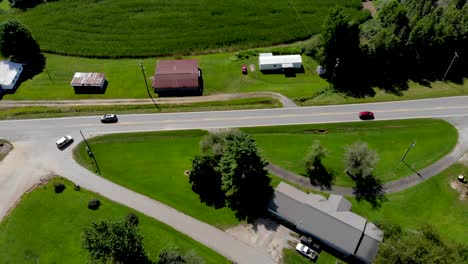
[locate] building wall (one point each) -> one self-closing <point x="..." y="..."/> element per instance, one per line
<point x="277" y="66"/>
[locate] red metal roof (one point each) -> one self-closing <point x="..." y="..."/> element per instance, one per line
<point x="176" y="74"/>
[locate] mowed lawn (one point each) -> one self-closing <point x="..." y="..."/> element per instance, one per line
<point x="45" y="227"/>
<point x="221" y="74"/>
<point x="142" y="28"/>
<point x="153" y="164"/>
<point x="431" y="202"/>
<point x="286" y="146"/>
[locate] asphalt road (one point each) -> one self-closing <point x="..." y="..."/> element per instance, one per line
<point x="38" y="128"/>
<point x="35" y="154"/>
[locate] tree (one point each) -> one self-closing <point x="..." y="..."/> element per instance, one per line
<point x="422" y="246"/>
<point x="206" y="180"/>
<point x="170" y="255"/>
<point x="23" y="4"/>
<point x="113" y="242"/>
<point x="244" y="178"/>
<point x="340" y="53"/>
<point x="360" y="162"/>
<point x="18" y="45"/>
<point x="314" y="167"/>
<point x="214" y="143"/>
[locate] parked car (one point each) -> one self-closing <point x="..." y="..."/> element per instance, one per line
<point x="306" y="251"/>
<point x="109" y="118"/>
<point x="366" y="115"/>
<point x="244" y="69"/>
<point x="64" y="141"/>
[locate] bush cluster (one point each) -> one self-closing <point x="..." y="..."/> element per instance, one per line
<point x="94" y="204"/>
<point x="59" y="187"/>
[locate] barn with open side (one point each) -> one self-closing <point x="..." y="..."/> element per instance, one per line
<point x="89" y="82"/>
<point x="178" y="78"/>
<point x="270" y="62"/>
<point x="9" y="74"/>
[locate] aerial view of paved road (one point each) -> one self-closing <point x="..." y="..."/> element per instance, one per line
<point x="36" y="155"/>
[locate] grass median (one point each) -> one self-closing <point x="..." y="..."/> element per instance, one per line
<point x="61" y="111"/>
<point x="286" y="146"/>
<point x="153" y="163"/>
<point x="45" y="227"/>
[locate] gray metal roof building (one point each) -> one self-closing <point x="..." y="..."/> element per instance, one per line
<point x="328" y="220"/>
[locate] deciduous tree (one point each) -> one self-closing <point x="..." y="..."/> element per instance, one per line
<point x="113" y="242"/>
<point x="244" y="178"/>
<point x="314" y="168"/>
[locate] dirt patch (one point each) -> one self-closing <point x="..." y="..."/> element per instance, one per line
<point x="266" y="234"/>
<point x="5" y="148"/>
<point x="461" y="188"/>
<point x="315" y="131"/>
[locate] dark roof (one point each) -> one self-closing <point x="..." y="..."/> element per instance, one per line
<point x="176" y="74"/>
<point x="328" y="219"/>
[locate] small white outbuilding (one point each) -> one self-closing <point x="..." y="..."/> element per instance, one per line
<point x="9" y="74"/>
<point x="269" y="62"/>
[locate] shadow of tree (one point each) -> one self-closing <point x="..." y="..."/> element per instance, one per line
<point x="370" y="189"/>
<point x="251" y="202"/>
<point x="206" y="181"/>
<point x="320" y="176"/>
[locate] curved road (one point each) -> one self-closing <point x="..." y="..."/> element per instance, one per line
<point x="35" y="153"/>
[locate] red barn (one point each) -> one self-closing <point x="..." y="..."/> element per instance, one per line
<point x="178" y="78"/>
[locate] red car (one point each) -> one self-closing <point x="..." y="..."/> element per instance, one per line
<point x="366" y="115"/>
<point x="244" y="69"/>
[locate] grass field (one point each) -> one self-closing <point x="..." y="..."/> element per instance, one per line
<point x="221" y="74"/>
<point x="45" y="227"/>
<point x="433" y="202"/>
<point x="287" y="146"/>
<point x="415" y="91"/>
<point x="153" y="164"/>
<point x="158" y="172"/>
<point x="43" y="112"/>
<point x="143" y="28"/>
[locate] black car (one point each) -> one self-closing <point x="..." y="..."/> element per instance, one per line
<point x="109" y="118"/>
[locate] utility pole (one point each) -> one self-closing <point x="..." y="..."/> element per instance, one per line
<point x="90" y="153"/>
<point x="403" y="158"/>
<point x="410" y="147"/>
<point x="448" y="69"/>
<point x="147" y="88"/>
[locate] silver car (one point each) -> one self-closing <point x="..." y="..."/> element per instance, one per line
<point x="64" y="141"/>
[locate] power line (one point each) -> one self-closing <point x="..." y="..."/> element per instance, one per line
<point x="146" y="83"/>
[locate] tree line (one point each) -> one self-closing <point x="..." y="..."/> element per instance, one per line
<point x="407" y="40"/>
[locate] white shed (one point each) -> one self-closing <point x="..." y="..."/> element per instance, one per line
<point x="9" y="74"/>
<point x="267" y="62"/>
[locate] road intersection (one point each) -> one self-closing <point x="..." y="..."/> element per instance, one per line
<point x="35" y="154"/>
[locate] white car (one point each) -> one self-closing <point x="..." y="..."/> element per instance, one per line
<point x="306" y="251"/>
<point x="64" y="141"/>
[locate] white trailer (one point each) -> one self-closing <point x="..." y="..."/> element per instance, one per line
<point x="268" y="62"/>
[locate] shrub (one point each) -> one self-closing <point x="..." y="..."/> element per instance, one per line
<point x="132" y="219"/>
<point x="94" y="204"/>
<point x="76" y="187"/>
<point x="59" y="187"/>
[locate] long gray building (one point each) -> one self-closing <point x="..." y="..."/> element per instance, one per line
<point x="328" y="220"/>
